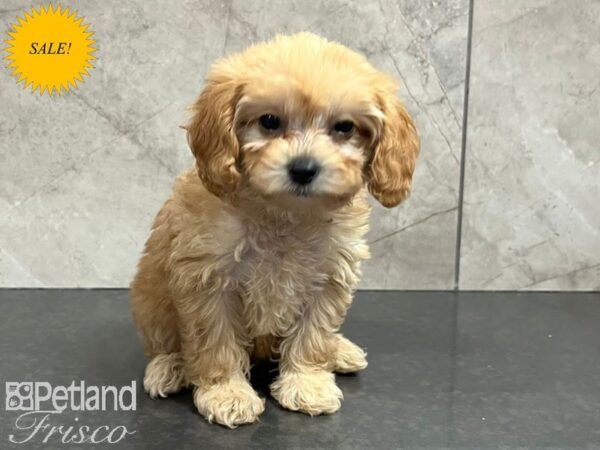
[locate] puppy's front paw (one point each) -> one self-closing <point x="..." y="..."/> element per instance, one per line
<point x="230" y="403"/>
<point x="164" y="375"/>
<point x="309" y="392"/>
<point x="349" y="356"/>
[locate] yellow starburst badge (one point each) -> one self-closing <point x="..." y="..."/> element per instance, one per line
<point x="50" y="49"/>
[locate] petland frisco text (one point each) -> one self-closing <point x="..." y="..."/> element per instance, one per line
<point x="41" y="406"/>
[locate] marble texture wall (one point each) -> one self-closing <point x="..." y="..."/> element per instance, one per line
<point x="82" y="175"/>
<point x="532" y="181"/>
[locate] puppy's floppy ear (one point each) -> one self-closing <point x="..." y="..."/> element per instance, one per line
<point x="211" y="134"/>
<point x="395" y="153"/>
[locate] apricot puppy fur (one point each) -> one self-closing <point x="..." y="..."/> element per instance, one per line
<point x="258" y="250"/>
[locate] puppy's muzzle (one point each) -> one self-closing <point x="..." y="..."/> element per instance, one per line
<point x="303" y="170"/>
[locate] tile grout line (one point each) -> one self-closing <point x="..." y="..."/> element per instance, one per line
<point x="463" y="149"/>
<point x="450" y="432"/>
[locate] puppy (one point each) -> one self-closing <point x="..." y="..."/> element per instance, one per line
<point x="258" y="250"/>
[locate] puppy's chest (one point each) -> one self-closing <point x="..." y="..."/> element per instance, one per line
<point x="278" y="270"/>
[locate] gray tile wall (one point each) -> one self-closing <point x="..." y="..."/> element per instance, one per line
<point x="532" y="181"/>
<point x="82" y="175"/>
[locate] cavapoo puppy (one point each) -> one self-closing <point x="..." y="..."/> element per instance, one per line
<point x="257" y="251"/>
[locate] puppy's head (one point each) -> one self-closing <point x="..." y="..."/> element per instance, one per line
<point x="300" y="120"/>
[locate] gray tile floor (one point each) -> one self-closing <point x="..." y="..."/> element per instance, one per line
<point x="447" y="370"/>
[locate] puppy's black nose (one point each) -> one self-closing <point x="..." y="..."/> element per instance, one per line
<point x="303" y="170"/>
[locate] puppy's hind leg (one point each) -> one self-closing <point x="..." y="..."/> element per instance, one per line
<point x="348" y="356"/>
<point x="164" y="375"/>
<point x="155" y="318"/>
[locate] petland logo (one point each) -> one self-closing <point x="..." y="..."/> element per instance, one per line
<point x="40" y="402"/>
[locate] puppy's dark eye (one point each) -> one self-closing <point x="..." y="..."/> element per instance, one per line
<point x="344" y="127"/>
<point x="270" y="122"/>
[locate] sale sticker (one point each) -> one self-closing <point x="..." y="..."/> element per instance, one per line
<point x="50" y="49"/>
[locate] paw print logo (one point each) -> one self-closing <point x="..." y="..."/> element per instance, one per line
<point x="19" y="396"/>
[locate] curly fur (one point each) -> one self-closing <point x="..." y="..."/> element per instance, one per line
<point x="239" y="263"/>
